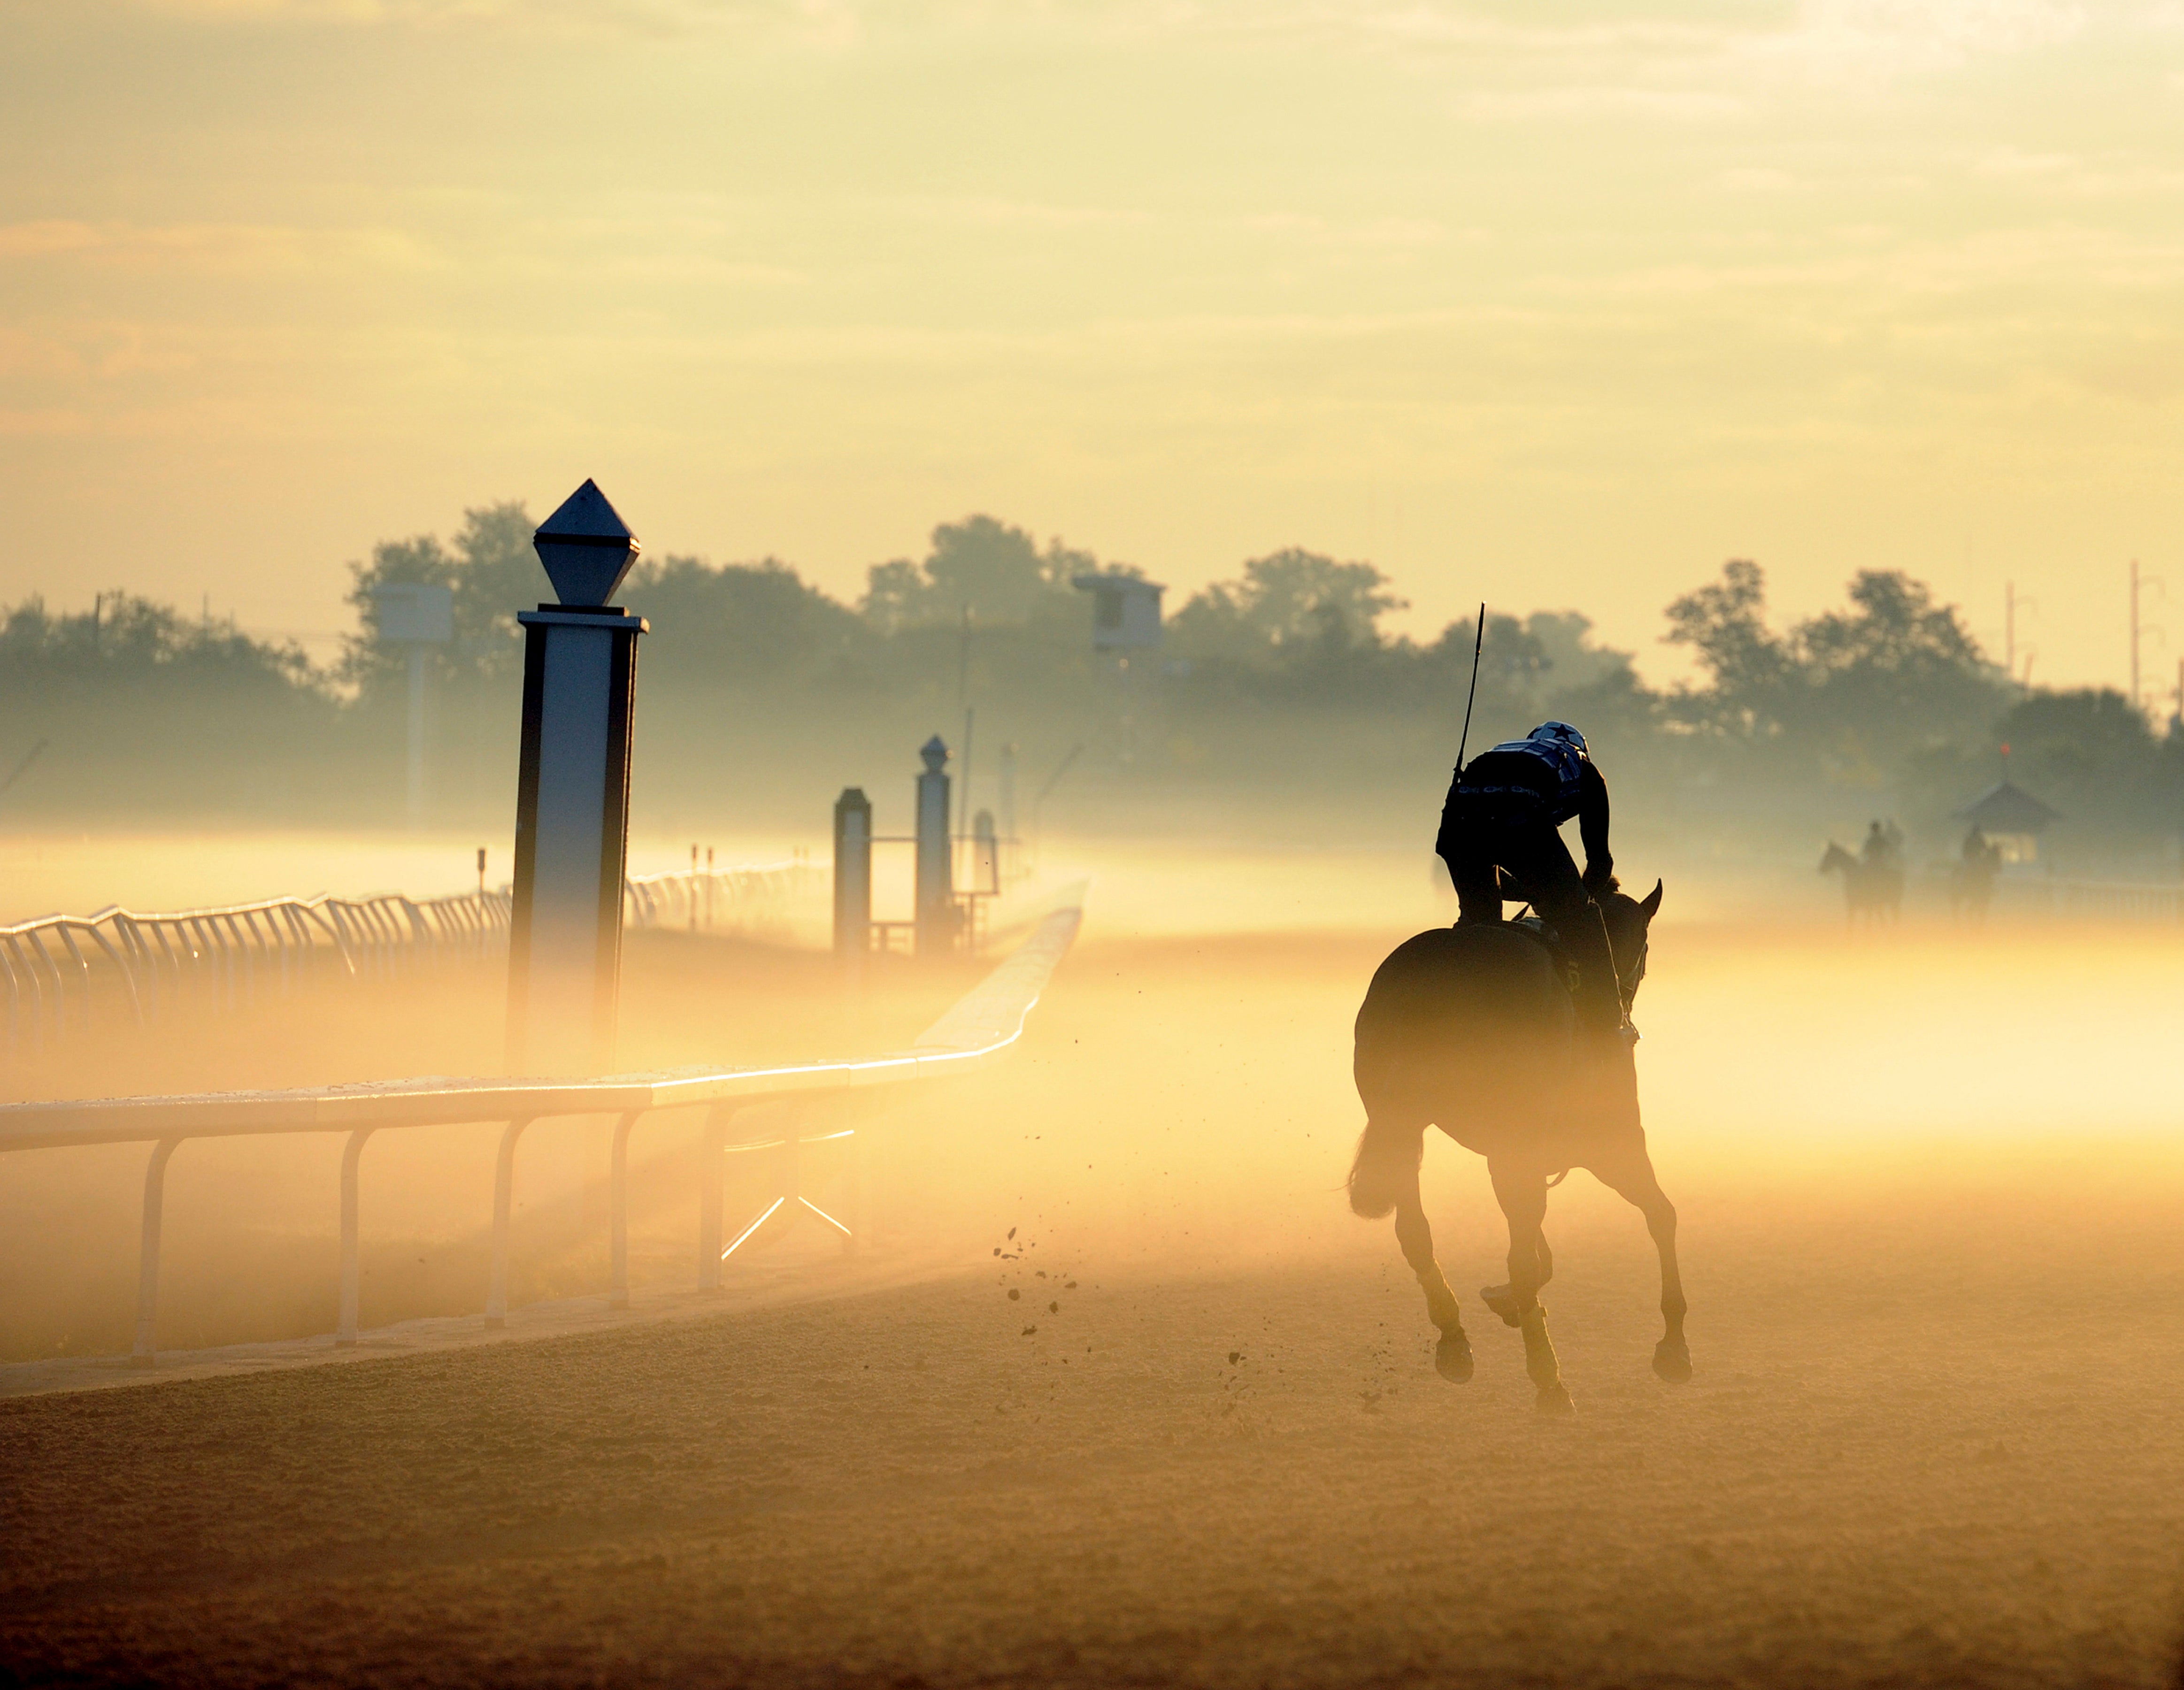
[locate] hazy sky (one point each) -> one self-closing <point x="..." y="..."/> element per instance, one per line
<point x="1550" y="302"/>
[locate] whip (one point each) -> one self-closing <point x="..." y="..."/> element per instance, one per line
<point x="1476" y="645"/>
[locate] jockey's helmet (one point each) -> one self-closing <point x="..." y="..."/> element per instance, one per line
<point x="1560" y="734"/>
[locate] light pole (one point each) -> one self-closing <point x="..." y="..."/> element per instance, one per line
<point x="572" y="796"/>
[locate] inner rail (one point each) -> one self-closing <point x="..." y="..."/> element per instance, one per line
<point x="60" y="974"/>
<point x="980" y="1028"/>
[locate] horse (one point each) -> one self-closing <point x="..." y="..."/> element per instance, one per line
<point x="1871" y="890"/>
<point x="1971" y="881"/>
<point x="1471" y="1029"/>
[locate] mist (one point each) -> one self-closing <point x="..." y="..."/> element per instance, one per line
<point x="1114" y="1282"/>
<point x="1084" y="479"/>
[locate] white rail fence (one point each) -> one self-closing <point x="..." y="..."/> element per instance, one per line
<point x="64" y="974"/>
<point x="980" y="1028"/>
<point x="704" y="899"/>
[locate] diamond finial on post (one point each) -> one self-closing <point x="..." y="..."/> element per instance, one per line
<point x="934" y="752"/>
<point x="586" y="547"/>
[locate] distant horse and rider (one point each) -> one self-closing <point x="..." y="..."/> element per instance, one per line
<point x="1873" y="880"/>
<point x="1971" y="880"/>
<point x="1514" y="1038"/>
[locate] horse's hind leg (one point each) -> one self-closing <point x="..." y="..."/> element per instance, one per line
<point x="1630" y="1174"/>
<point x="1522" y="1194"/>
<point x="1452" y="1354"/>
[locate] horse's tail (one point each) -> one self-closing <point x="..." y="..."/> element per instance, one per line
<point x="1388" y="1157"/>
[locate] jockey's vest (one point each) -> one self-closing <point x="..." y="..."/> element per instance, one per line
<point x="1558" y="777"/>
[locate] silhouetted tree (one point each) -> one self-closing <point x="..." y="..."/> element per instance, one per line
<point x="132" y="645"/>
<point x="740" y="624"/>
<point x="1857" y="696"/>
<point x="996" y="570"/>
<point x="1293" y="604"/>
<point x="493" y="572"/>
<point x="1751" y="673"/>
<point x="2095" y="758"/>
<point x="1895" y="669"/>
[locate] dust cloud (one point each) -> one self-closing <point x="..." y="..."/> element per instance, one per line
<point x="1120" y="1392"/>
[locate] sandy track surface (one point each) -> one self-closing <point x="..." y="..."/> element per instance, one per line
<point x="1934" y="1437"/>
<point x="903" y="1488"/>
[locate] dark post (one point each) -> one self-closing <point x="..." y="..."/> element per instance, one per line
<point x="853" y="876"/>
<point x="572" y="796"/>
<point x="936" y="868"/>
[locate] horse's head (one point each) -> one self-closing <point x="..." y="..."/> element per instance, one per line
<point x="1628" y="919"/>
<point x="1838" y="860"/>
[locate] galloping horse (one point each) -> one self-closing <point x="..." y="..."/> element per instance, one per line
<point x="1470" y="1029"/>
<point x="1871" y="890"/>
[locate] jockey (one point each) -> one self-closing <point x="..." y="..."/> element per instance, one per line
<point x="1503" y="811"/>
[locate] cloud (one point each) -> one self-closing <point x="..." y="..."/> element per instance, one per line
<point x="1870" y="39"/>
<point x="830" y="23"/>
<point x="1679" y="105"/>
<point x="985" y="212"/>
<point x="1400" y="232"/>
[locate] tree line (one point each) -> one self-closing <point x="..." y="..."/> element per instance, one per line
<point x="1285" y="670"/>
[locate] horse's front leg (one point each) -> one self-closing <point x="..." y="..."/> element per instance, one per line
<point x="1631" y="1176"/>
<point x="1452" y="1354"/>
<point x="1522" y="1191"/>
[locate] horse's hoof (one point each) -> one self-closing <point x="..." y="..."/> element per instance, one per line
<point x="1503" y="1303"/>
<point x="1452" y="1357"/>
<point x="1672" y="1361"/>
<point x="1555" y="1399"/>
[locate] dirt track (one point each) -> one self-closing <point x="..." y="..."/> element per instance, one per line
<point x="1934" y="1437"/>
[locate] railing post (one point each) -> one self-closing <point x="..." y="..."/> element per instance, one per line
<point x="936" y="868"/>
<point x="351" y="1274"/>
<point x="145" y="1351"/>
<point x="504" y="1207"/>
<point x="618" y="1214"/>
<point x="712" y="1159"/>
<point x="853" y="880"/>
<point x="8" y="967"/>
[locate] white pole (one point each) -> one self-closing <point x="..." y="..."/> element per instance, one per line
<point x="503" y="1215"/>
<point x="147" y="1261"/>
<point x="351" y="1274"/>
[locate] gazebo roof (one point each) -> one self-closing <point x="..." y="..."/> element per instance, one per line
<point x="2007" y="808"/>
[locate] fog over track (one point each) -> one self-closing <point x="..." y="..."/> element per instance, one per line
<point x="1928" y="1187"/>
